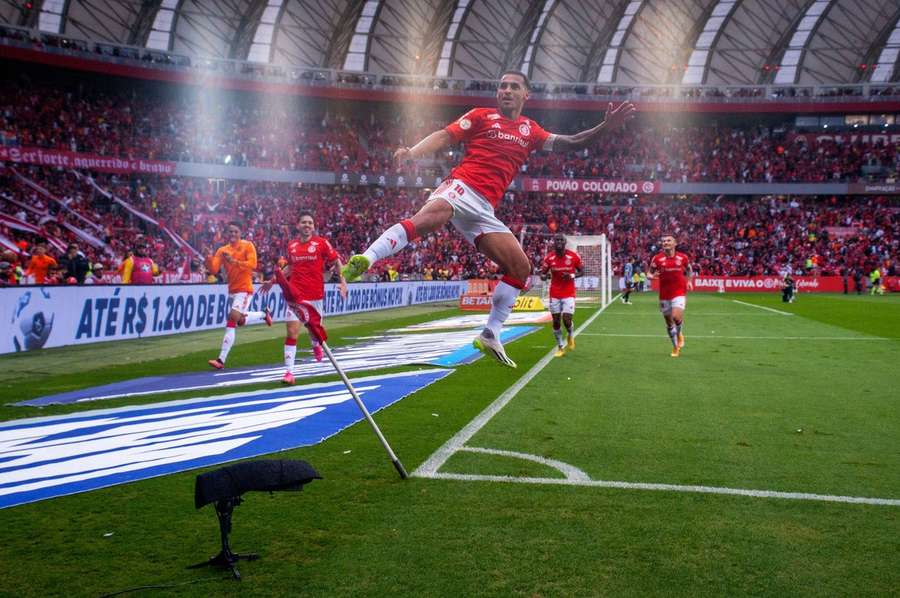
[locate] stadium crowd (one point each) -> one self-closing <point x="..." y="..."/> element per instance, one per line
<point x="217" y="128"/>
<point x="724" y="236"/>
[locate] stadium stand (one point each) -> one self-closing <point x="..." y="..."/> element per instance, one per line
<point x="734" y="236"/>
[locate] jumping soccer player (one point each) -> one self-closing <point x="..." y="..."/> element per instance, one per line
<point x="674" y="271"/>
<point x="307" y="256"/>
<point x="238" y="258"/>
<point x="498" y="141"/>
<point x="563" y="266"/>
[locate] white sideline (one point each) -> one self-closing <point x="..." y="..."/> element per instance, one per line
<point x="752" y="338"/>
<point x="439" y="457"/>
<point x="777" y="311"/>
<point x="891" y="502"/>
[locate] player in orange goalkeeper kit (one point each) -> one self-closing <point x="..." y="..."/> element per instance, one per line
<point x="238" y="258"/>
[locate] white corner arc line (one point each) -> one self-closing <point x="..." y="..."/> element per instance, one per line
<point x="890" y="502"/>
<point x="777" y="311"/>
<point x="572" y="473"/>
<point x="440" y="456"/>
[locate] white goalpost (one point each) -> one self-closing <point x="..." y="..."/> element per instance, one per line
<point x="596" y="257"/>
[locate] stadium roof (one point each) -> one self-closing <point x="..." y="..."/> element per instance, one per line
<point x="631" y="42"/>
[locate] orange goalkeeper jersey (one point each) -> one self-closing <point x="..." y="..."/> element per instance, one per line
<point x="240" y="269"/>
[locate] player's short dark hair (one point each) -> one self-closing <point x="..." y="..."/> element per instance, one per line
<point x="667" y="234"/>
<point x="306" y="213"/>
<point x="236" y="223"/>
<point x="519" y="73"/>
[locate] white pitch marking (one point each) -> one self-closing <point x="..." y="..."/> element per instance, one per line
<point x="754" y="338"/>
<point x="777" y="311"/>
<point x="116" y="411"/>
<point x="891" y="502"/>
<point x="694" y="314"/>
<point x="571" y="472"/>
<point x="440" y="456"/>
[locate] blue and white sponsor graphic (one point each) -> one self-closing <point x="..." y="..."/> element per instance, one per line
<point x="54" y="456"/>
<point x="37" y="317"/>
<point x="435" y="348"/>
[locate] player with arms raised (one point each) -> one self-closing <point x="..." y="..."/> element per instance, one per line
<point x="498" y="141"/>
<point x="238" y="258"/>
<point x="563" y="266"/>
<point x="307" y="257"/>
<point x="674" y="271"/>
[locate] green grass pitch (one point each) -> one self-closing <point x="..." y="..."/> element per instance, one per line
<point x="800" y="401"/>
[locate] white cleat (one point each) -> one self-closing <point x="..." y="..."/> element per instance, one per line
<point x="489" y="345"/>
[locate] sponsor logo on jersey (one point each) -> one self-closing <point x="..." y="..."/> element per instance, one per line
<point x="503" y="136"/>
<point x="495" y="126"/>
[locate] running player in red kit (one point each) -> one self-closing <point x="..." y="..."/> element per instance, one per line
<point x="563" y="266"/>
<point x="673" y="269"/>
<point x="498" y="141"/>
<point x="307" y="257"/>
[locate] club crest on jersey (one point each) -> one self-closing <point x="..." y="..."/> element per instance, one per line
<point x="524" y="130"/>
<point x="311" y="248"/>
<point x="465" y="124"/>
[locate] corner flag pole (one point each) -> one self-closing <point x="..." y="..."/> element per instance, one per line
<point x="387" y="447"/>
<point x="311" y="318"/>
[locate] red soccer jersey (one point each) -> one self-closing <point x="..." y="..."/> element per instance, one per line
<point x="672" y="282"/>
<point x="496" y="148"/>
<point x="562" y="268"/>
<point x="308" y="261"/>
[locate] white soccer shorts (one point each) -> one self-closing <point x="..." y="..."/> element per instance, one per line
<point x="667" y="305"/>
<point x="473" y="215"/>
<point x="241" y="302"/>
<point x="566" y="305"/>
<point x="319" y="304"/>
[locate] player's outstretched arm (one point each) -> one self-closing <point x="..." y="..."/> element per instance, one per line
<point x="433" y="143"/>
<point x="615" y="118"/>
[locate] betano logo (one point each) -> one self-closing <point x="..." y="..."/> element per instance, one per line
<point x="55" y="456"/>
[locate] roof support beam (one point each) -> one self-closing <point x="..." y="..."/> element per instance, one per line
<point x="243" y="35"/>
